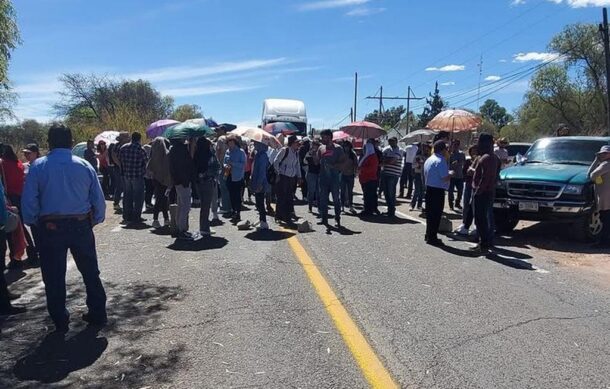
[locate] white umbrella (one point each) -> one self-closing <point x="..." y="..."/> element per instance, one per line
<point x="418" y="135"/>
<point x="258" y="135"/>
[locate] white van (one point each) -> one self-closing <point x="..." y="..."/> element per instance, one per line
<point x="283" y="110"/>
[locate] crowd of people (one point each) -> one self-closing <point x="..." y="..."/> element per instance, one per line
<point x="55" y="200"/>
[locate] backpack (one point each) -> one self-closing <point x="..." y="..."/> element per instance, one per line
<point x="272" y="175"/>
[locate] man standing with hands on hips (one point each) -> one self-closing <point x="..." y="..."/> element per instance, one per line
<point x="64" y="198"/>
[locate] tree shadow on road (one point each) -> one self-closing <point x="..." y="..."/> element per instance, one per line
<point x="206" y="243"/>
<point x="119" y="355"/>
<point x="55" y="357"/>
<point x="269" y="235"/>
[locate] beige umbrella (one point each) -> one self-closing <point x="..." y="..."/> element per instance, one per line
<point x="258" y="135"/>
<point x="455" y="120"/>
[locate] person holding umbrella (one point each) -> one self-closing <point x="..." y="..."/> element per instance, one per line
<point x="368" y="176"/>
<point x="599" y="172"/>
<point x="206" y="171"/>
<point x="437" y="177"/>
<point x="181" y="171"/>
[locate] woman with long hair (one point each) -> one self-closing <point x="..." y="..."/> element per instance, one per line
<point x="103" y="162"/>
<point x="206" y="171"/>
<point x="158" y="168"/>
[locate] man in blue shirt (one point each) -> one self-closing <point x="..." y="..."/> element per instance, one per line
<point x="64" y="198"/>
<point x="437" y="175"/>
<point x="235" y="165"/>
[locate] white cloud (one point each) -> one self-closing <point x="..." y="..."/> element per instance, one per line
<point x="503" y="61"/>
<point x="572" y="3"/>
<point x="448" y="83"/>
<point x="447" y="68"/>
<point x="493" y="78"/>
<point x="535" y="56"/>
<point x="206" y="90"/>
<point x="328" y="4"/>
<point x="365" y="11"/>
<point x="188" y="72"/>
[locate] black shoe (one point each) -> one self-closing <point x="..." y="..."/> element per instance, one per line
<point x="338" y="223"/>
<point x="94" y="321"/>
<point x="435" y="242"/>
<point x="12" y="310"/>
<point x="13" y="296"/>
<point x="33" y="262"/>
<point x="62" y="328"/>
<point x="14" y="265"/>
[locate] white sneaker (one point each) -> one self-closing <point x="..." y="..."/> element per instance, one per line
<point x="474" y="232"/>
<point x="263" y="226"/>
<point x="462" y="230"/>
<point x="156" y="224"/>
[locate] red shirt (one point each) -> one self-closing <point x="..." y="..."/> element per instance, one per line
<point x="14" y="176"/>
<point x="485" y="175"/>
<point x="368" y="170"/>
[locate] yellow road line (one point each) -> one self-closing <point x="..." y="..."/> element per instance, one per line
<point x="372" y="368"/>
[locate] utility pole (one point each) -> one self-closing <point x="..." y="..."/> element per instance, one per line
<point x="480" y="76"/>
<point x="603" y="29"/>
<point x="351" y="115"/>
<point x="354" y="114"/>
<point x="409" y="98"/>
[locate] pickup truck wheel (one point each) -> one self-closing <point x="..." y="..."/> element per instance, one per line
<point x="505" y="220"/>
<point x="589" y="228"/>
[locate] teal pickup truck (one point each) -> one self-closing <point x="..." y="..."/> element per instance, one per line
<point x="551" y="184"/>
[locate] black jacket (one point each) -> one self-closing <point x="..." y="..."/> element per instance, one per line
<point x="181" y="166"/>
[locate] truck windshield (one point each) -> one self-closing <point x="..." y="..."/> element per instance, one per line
<point x="564" y="150"/>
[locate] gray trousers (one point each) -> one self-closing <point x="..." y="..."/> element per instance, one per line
<point x="183" y="199"/>
<point x="206" y="190"/>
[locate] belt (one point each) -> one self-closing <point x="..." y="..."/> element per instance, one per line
<point x="50" y="218"/>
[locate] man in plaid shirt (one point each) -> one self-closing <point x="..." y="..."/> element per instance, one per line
<point x="133" y="165"/>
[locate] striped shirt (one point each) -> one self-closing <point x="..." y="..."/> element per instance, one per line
<point x="289" y="166"/>
<point x="392" y="164"/>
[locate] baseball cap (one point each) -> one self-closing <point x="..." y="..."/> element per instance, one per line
<point x="31" y="148"/>
<point x="604" y="149"/>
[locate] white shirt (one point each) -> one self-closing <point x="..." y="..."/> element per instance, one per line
<point x="410" y="153"/>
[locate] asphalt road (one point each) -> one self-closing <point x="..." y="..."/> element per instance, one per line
<point x="240" y="310"/>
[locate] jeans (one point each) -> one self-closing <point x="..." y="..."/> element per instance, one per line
<point x="161" y="201"/>
<point x="56" y="238"/>
<point x="235" y="188"/>
<point x="260" y="206"/>
<point x="133" y="199"/>
<point x="467" y="213"/>
<point x="435" y="203"/>
<point x="483" y="205"/>
<point x="418" y="195"/>
<point x="206" y="189"/>
<point x="285" y="198"/>
<point x="183" y="200"/>
<point x="407" y="179"/>
<point x="313" y="188"/>
<point x="389" y="190"/>
<point x="369" y="192"/>
<point x="106" y="186"/>
<point x="347" y="191"/>
<point x="329" y="186"/>
<point x="456" y="184"/>
<point x="225" y="198"/>
<point x="604" y="236"/>
<point x="117" y="183"/>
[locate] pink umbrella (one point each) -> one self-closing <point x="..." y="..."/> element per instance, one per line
<point x="281" y="128"/>
<point x="340" y="135"/>
<point x="258" y="135"/>
<point x="455" y="120"/>
<point x="364" y="130"/>
<point x="158" y="128"/>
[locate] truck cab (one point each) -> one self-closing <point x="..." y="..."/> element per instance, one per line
<point x="285" y="110"/>
<point x="551" y="185"/>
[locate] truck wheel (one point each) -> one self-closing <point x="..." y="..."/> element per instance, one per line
<point x="589" y="227"/>
<point x="505" y="220"/>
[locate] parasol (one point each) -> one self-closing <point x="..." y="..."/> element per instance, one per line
<point x="107" y="136"/>
<point x="455" y="120"/>
<point x="258" y="135"/>
<point x="364" y="130"/>
<point x="192" y="128"/>
<point x="157" y="128"/>
<point x="281" y="128"/>
<point x="418" y="135"/>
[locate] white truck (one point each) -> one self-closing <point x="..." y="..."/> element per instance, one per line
<point x="284" y="110"/>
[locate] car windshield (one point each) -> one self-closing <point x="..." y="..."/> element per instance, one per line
<point x="558" y="150"/>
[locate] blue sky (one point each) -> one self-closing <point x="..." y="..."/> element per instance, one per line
<point x="229" y="55"/>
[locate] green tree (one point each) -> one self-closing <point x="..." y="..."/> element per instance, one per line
<point x="187" y="111"/>
<point x="495" y="113"/>
<point x="9" y="40"/>
<point x="388" y="119"/>
<point x="93" y="103"/>
<point x="434" y="106"/>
